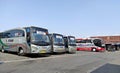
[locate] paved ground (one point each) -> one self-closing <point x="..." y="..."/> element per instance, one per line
<point x="10" y="56"/>
<point x="81" y="62"/>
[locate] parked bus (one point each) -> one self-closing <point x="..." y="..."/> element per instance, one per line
<point x="70" y="44"/>
<point x="57" y="42"/>
<point x="91" y="44"/>
<point x="33" y="40"/>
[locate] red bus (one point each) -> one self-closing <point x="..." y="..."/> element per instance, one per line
<point x="90" y="44"/>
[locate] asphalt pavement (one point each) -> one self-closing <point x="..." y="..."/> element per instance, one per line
<point x="81" y="62"/>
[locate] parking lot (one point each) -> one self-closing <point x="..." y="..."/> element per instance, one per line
<point x="13" y="57"/>
<point x="9" y="57"/>
<point x="81" y="62"/>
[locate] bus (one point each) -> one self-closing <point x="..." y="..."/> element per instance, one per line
<point x="70" y="44"/>
<point x="90" y="44"/>
<point x="32" y="40"/>
<point x="57" y="42"/>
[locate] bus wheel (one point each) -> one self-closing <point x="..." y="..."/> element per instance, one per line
<point x="20" y="52"/>
<point x="94" y="49"/>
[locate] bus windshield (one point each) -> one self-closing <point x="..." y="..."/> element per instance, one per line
<point x="72" y="40"/>
<point x="98" y="42"/>
<point x="39" y="37"/>
<point x="58" y="39"/>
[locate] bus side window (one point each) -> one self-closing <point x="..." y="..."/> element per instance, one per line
<point x="82" y="41"/>
<point x="18" y="33"/>
<point x="1" y="35"/>
<point x="6" y="35"/>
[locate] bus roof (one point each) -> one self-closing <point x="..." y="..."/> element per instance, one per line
<point x="26" y="27"/>
<point x="70" y="36"/>
<point x="35" y="27"/>
<point x="56" y="34"/>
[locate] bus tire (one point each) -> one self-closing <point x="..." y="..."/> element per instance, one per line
<point x="20" y="51"/>
<point x="94" y="49"/>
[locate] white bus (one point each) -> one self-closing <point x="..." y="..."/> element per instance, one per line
<point x="70" y="44"/>
<point x="32" y="40"/>
<point x="57" y="42"/>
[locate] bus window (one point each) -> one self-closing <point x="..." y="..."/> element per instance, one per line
<point x="58" y="39"/>
<point x="97" y="42"/>
<point x="84" y="41"/>
<point x="17" y="33"/>
<point x="72" y="41"/>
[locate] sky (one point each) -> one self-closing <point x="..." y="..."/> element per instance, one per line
<point x="79" y="18"/>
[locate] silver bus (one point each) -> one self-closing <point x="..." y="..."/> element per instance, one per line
<point x="57" y="42"/>
<point x="32" y="40"/>
<point x="70" y="44"/>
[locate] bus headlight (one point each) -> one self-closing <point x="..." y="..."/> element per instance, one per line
<point x="34" y="49"/>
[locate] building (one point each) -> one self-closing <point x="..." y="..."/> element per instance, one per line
<point x="109" y="39"/>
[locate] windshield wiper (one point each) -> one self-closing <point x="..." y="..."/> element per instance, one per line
<point x="72" y="44"/>
<point x="41" y="43"/>
<point x="59" y="44"/>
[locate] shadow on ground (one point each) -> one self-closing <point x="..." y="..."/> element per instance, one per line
<point x="35" y="55"/>
<point x="108" y="68"/>
<point x="30" y="55"/>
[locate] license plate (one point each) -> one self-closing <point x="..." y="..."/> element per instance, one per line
<point x="43" y="51"/>
<point x="60" y="49"/>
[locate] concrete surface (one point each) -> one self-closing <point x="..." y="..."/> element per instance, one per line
<point x="81" y="62"/>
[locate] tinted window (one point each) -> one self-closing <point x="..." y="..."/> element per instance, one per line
<point x="15" y="33"/>
<point x="4" y="35"/>
<point x="97" y="42"/>
<point x="84" y="41"/>
<point x="40" y="35"/>
<point x="72" y="40"/>
<point x="0" y="35"/>
<point x="58" y="39"/>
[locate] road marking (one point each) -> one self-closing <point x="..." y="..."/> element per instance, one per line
<point x="94" y="68"/>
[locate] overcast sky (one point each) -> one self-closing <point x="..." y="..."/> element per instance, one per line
<point x="81" y="18"/>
